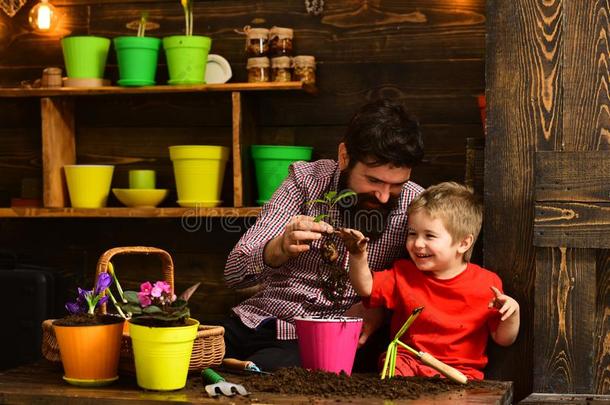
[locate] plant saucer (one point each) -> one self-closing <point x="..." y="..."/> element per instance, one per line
<point x="90" y="382"/>
<point x="199" y="204"/>
<point x="185" y="82"/>
<point x="140" y="197"/>
<point x="131" y="82"/>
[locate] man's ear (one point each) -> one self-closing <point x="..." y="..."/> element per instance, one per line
<point x="343" y="157"/>
<point x="465" y="244"/>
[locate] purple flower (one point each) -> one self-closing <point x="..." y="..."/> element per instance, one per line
<point x="74" y="308"/>
<point x="103" y="281"/>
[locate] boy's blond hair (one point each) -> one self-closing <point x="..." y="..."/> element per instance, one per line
<point x="457" y="206"/>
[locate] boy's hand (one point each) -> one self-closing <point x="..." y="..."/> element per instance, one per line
<point x="354" y="240"/>
<point x="506" y="305"/>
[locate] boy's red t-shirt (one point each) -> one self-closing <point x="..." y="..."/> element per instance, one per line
<point x="456" y="321"/>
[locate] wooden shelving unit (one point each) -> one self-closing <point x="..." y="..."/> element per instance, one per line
<point x="59" y="146"/>
<point x="125" y="212"/>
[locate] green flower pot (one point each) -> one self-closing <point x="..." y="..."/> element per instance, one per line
<point x="137" y="57"/>
<point x="187" y="57"/>
<point x="85" y="57"/>
<point x="271" y="165"/>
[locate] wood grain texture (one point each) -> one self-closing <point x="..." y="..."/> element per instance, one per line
<point x="575" y="225"/>
<point x="185" y="214"/>
<point x="601" y="354"/>
<point x="573" y="176"/>
<point x="58" y="148"/>
<point x="563" y="357"/>
<point x="523" y="99"/>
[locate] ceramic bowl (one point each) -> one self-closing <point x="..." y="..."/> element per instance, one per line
<point x="140" y="197"/>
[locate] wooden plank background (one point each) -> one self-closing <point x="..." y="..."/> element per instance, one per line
<point x="547" y="95"/>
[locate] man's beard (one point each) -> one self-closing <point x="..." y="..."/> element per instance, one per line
<point x="364" y="213"/>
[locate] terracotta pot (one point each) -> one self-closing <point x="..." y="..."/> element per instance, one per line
<point x="90" y="354"/>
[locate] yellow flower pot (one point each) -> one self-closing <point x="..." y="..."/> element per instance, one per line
<point x="162" y="355"/>
<point x="88" y="185"/>
<point x="199" y="171"/>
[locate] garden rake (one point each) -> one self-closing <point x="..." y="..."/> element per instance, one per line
<point x="389" y="366"/>
<point x="217" y="385"/>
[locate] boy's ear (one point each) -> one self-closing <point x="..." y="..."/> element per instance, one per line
<point x="465" y="244"/>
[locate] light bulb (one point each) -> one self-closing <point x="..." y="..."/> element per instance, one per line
<point x="43" y="17"/>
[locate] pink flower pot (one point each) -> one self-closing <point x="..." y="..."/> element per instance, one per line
<point x="328" y="344"/>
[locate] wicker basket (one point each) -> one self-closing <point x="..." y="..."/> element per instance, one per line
<point x="209" y="345"/>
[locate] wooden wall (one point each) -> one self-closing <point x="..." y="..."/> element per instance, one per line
<point x="547" y="189"/>
<point x="427" y="53"/>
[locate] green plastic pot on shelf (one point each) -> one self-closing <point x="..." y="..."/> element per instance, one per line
<point x="271" y="164"/>
<point x="137" y="58"/>
<point x="85" y="56"/>
<point x="187" y="58"/>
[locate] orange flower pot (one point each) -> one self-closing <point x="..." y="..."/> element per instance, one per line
<point x="90" y="354"/>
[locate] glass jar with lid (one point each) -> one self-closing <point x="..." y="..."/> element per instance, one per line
<point x="257" y="41"/>
<point x="280" y="41"/>
<point x="258" y="69"/>
<point x="305" y="69"/>
<point x="280" y="69"/>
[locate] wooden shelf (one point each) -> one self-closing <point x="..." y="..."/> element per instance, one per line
<point x="110" y="90"/>
<point x="124" y="212"/>
<point x="58" y="130"/>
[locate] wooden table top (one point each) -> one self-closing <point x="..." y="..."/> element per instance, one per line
<point x="42" y="383"/>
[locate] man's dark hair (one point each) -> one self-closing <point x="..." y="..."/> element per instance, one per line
<point x="382" y="132"/>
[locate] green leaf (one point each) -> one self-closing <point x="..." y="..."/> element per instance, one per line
<point x="152" y="309"/>
<point x="132" y="297"/>
<point x="320" y="217"/>
<point x="330" y="195"/>
<point x="343" y="195"/>
<point x="133" y="308"/>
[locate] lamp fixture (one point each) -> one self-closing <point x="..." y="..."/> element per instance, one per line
<point x="43" y="17"/>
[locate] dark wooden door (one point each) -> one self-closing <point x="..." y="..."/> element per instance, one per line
<point x="547" y="189"/>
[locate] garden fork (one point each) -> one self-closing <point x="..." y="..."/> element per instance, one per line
<point x="217" y="385"/>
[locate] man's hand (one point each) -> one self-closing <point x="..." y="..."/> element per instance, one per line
<point x="298" y="233"/>
<point x="373" y="319"/>
<point x="354" y="240"/>
<point x="506" y="305"/>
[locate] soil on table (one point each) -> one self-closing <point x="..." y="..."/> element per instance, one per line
<point x="299" y="381"/>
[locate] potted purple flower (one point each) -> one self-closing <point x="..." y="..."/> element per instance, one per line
<point x="89" y="342"/>
<point x="162" y="333"/>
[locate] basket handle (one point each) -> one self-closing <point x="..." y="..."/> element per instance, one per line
<point x="166" y="261"/>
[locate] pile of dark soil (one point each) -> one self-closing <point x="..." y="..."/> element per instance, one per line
<point x="88" y="320"/>
<point x="330" y="385"/>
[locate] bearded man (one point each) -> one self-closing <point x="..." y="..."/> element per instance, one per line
<point x="285" y="251"/>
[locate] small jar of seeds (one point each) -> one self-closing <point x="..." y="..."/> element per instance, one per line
<point x="305" y="69"/>
<point x="257" y="41"/>
<point x="280" y="69"/>
<point x="280" y="41"/>
<point x="258" y="70"/>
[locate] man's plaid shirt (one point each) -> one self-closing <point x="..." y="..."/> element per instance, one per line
<point x="294" y="289"/>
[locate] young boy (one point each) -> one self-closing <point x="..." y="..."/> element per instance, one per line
<point x="462" y="302"/>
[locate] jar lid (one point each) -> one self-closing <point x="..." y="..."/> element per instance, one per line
<point x="281" y="62"/>
<point x="304" y="60"/>
<point x="261" y="62"/>
<point x="281" y="32"/>
<point x="52" y="71"/>
<point x="256" y="33"/>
